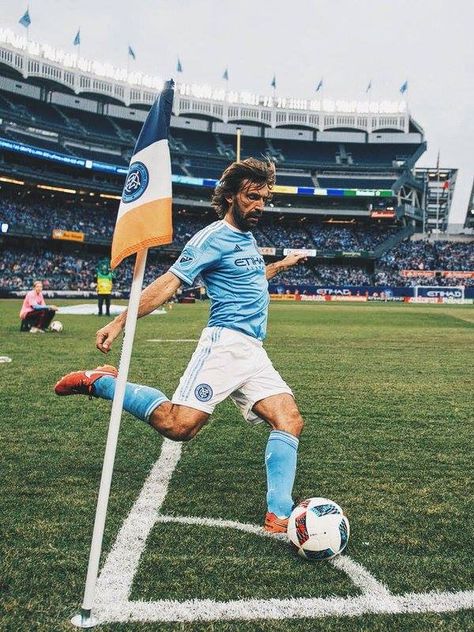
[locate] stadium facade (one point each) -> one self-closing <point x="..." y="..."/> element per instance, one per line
<point x="347" y="187"/>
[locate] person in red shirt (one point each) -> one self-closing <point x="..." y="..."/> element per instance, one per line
<point x="36" y="316"/>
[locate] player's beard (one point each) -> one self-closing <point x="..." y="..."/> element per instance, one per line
<point x="241" y="220"/>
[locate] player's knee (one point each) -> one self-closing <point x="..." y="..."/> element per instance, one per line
<point x="292" y="422"/>
<point x="182" y="432"/>
<point x="174" y="425"/>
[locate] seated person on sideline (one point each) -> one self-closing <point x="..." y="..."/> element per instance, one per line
<point x="230" y="360"/>
<point x="35" y="314"/>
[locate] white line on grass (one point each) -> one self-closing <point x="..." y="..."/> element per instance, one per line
<point x="172" y="340"/>
<point x="254" y="609"/>
<point x="115" y="582"/>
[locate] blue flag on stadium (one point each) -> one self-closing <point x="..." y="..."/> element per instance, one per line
<point x="225" y="76"/>
<point x="369" y="87"/>
<point x="179" y="67"/>
<point x="131" y="52"/>
<point x="319" y="86"/>
<point x="404" y="87"/>
<point x="77" y="39"/>
<point x="274" y="82"/>
<point x="25" y="19"/>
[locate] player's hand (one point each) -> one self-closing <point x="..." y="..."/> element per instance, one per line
<point x="55" y="307"/>
<point x="293" y="259"/>
<point x="106" y="335"/>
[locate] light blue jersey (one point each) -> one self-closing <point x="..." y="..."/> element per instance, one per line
<point x="233" y="271"/>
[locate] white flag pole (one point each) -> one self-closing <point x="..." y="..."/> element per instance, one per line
<point x="85" y="618"/>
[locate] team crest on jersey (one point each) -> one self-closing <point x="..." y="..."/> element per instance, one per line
<point x="203" y="392"/>
<point x="186" y="257"/>
<point x="136" y="183"/>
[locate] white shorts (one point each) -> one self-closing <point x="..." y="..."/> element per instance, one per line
<point x="228" y="363"/>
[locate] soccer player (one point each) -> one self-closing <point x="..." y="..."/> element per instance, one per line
<point x="229" y="360"/>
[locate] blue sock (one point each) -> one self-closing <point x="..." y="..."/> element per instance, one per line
<point x="139" y="400"/>
<point x="280" y="461"/>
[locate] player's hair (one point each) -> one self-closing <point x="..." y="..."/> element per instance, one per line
<point x="255" y="171"/>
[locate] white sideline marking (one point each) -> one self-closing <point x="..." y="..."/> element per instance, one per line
<point x="172" y="340"/>
<point x="114" y="584"/>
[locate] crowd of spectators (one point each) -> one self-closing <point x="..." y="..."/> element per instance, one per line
<point x="65" y="269"/>
<point x="77" y="271"/>
<point x="425" y="255"/>
<point x="40" y="215"/>
<point x="42" y="218"/>
<point x="60" y="271"/>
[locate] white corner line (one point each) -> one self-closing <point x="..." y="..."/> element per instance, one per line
<point x="115" y="581"/>
<point x="298" y="608"/>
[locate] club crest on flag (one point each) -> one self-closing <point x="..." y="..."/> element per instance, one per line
<point x="144" y="215"/>
<point x="136" y="182"/>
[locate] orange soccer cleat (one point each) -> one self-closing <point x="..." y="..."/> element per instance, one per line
<point x="80" y="382"/>
<point x="274" y="524"/>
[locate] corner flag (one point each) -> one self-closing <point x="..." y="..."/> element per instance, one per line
<point x="144" y="216"/>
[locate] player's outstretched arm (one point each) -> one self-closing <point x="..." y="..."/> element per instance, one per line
<point x="288" y="262"/>
<point x="157" y="293"/>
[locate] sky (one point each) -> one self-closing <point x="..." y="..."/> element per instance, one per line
<point x="348" y="43"/>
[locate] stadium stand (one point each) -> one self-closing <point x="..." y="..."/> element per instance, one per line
<point x="352" y="207"/>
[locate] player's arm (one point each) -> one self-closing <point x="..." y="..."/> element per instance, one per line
<point x="272" y="269"/>
<point x="157" y="293"/>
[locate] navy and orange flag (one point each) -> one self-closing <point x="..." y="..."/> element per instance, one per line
<point x="144" y="216"/>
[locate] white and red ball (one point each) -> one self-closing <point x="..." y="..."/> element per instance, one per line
<point x="318" y="529"/>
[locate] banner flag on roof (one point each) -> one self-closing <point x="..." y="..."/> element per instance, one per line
<point x="369" y="87"/>
<point x="404" y="87"/>
<point x="274" y="82"/>
<point x="144" y="215"/>
<point x="77" y="39"/>
<point x="225" y="76"/>
<point x="131" y="52"/>
<point x="179" y="66"/>
<point x="25" y="19"/>
<point x="319" y="86"/>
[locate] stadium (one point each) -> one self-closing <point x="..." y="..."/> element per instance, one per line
<point x="373" y="328"/>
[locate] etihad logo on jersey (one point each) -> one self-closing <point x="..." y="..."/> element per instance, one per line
<point x="251" y="263"/>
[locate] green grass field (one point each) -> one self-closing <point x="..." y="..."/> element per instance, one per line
<point x="387" y="394"/>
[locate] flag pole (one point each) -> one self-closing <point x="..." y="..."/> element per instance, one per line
<point x="85" y="619"/>
<point x="239" y="133"/>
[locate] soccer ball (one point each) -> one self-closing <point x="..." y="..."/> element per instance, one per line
<point x="56" y="326"/>
<point x="318" y="529"/>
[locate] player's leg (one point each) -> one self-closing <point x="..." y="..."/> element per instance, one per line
<point x="107" y="304"/>
<point x="265" y="396"/>
<point x="100" y="301"/>
<point x="177" y="422"/>
<point x="149" y="404"/>
<point x="282" y="414"/>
